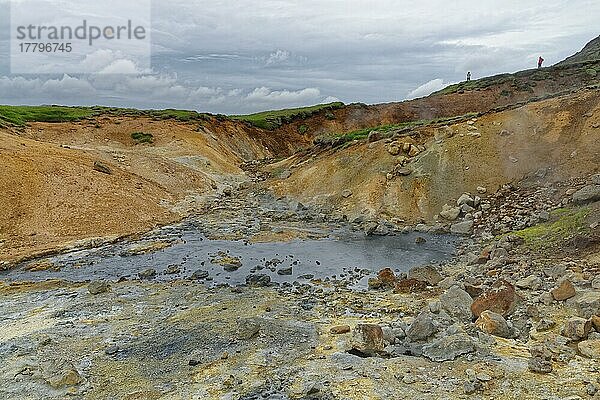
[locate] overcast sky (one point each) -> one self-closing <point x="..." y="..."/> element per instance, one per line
<point x="239" y="56"/>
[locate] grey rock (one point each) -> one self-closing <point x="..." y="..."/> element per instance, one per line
<point x="422" y="328"/>
<point x="587" y="194"/>
<point x="465" y="199"/>
<point x="200" y="275"/>
<point x="457" y="303"/>
<point x="285" y="271"/>
<point x="450" y="213"/>
<point x="248" y="328"/>
<point x="541" y="360"/>
<point x="462" y="228"/>
<point x="258" y="280"/>
<point x="98" y="287"/>
<point x="530" y="282"/>
<point x="149" y="273"/>
<point x="347" y="193"/>
<point x="449" y="348"/>
<point x="588" y="304"/>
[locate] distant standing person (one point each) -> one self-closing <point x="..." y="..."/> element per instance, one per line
<point x="540" y="62"/>
<point x="469" y="76"/>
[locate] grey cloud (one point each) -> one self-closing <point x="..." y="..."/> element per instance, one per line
<point x="221" y="55"/>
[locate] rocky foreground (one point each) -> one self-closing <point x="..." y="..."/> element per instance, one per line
<point x="509" y="317"/>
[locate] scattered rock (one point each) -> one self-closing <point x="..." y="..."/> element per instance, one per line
<point x="565" y="291"/>
<point x="340" y="330"/>
<point x="541" y="360"/>
<point x="420" y="240"/>
<point x="393" y="149"/>
<point x="248" y="328"/>
<point x="545" y="325"/>
<point x="530" y="282"/>
<point x="111" y="350"/>
<point x="493" y="324"/>
<point x="450" y="213"/>
<point x="462" y="228"/>
<point x="595" y="320"/>
<point x="149" y="273"/>
<point x="386" y="279"/>
<point x="258" y="280"/>
<point x="374" y="136"/>
<point x="425" y="273"/>
<point x="288" y="271"/>
<point x="98" y="287"/>
<point x="449" y="348"/>
<point x="588" y="304"/>
<point x="347" y="193"/>
<point x="422" y="327"/>
<point x="466" y="199"/>
<point x="367" y="339"/>
<point x="200" y="275"/>
<point x="577" y="329"/>
<point x="103" y="168"/>
<point x="173" y="269"/>
<point x="457" y="303"/>
<point x="590" y="348"/>
<point x="501" y="299"/>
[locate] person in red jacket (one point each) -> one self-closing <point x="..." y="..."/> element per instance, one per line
<point x="540" y="62"/>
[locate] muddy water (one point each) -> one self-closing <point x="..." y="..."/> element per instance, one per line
<point x="349" y="257"/>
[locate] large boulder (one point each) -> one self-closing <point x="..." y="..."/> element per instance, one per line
<point x="587" y="194"/>
<point x="457" y="303"/>
<point x="449" y="348"/>
<point x="501" y="299"/>
<point x="425" y="273"/>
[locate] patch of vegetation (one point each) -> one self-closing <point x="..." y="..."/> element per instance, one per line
<point x="302" y="129"/>
<point x="388" y="130"/>
<point x="141" y="137"/>
<point x="565" y="223"/>
<point x="20" y="115"/>
<point x="330" y="116"/>
<point x="591" y="72"/>
<point x="271" y="120"/>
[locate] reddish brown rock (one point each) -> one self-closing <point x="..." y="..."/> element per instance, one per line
<point x="410" y="286"/>
<point x="340" y="330"/>
<point x="387" y="277"/>
<point x="385" y="280"/>
<point x="501" y="299"/>
<point x="565" y="291"/>
<point x="368" y="339"/>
